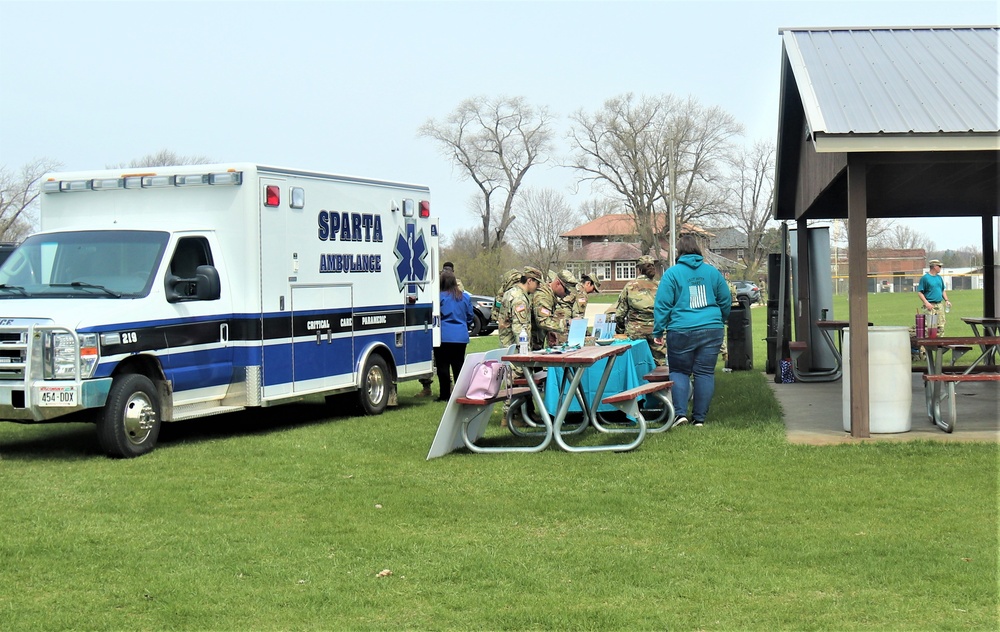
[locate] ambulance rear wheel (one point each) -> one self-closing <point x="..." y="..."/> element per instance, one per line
<point x="376" y="382"/>
<point x="130" y="422"/>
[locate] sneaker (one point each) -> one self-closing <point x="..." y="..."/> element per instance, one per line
<point x="678" y="420"/>
<point x="698" y="424"/>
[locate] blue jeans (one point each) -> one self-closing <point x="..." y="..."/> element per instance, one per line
<point x="693" y="352"/>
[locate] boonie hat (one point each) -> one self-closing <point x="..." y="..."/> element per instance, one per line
<point x="532" y="273"/>
<point x="566" y="278"/>
<point x="646" y="260"/>
<point x="934" y="262"/>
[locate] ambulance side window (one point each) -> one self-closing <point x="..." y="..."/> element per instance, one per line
<point x="192" y="275"/>
<point x="191" y="252"/>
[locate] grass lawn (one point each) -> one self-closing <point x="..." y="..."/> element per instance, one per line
<point x="301" y="518"/>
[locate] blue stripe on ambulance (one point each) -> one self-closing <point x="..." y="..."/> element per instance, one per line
<point x="210" y="364"/>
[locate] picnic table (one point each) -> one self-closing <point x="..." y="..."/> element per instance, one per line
<point x="574" y="363"/>
<point x="990" y="327"/>
<point x="939" y="385"/>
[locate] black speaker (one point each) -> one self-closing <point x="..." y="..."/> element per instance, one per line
<point x="739" y="338"/>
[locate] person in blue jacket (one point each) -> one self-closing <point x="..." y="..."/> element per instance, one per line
<point x="456" y="319"/>
<point x="692" y="306"/>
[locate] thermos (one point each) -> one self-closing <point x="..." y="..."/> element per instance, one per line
<point x="921" y="331"/>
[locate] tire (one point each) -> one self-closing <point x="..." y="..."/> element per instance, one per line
<point x="478" y="325"/>
<point x="129" y="425"/>
<point x="376" y="384"/>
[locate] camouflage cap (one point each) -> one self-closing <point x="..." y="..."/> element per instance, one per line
<point x="552" y="276"/>
<point x="646" y="260"/>
<point x="593" y="279"/>
<point x="566" y="278"/>
<point x="532" y="273"/>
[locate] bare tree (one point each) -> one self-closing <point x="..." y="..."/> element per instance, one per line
<point x="626" y="147"/>
<point x="901" y="237"/>
<point x="18" y="198"/>
<point x="543" y="215"/>
<point x="751" y="190"/>
<point x="495" y="141"/>
<point x="162" y="158"/>
<point x="599" y="207"/>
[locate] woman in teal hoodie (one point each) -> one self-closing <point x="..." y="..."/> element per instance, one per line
<point x="692" y="306"/>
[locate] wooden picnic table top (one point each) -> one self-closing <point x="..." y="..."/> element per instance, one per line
<point x="583" y="356"/>
<point x="947" y="341"/>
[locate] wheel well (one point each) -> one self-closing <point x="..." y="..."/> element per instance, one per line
<point x="382" y="352"/>
<point x="143" y="365"/>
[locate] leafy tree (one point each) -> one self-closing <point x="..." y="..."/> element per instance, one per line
<point x="19" y="198"/>
<point x="495" y="141"/>
<point x="481" y="271"/>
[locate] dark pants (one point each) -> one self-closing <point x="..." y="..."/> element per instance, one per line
<point x="448" y="357"/>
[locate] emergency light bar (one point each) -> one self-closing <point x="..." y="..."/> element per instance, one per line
<point x="144" y="181"/>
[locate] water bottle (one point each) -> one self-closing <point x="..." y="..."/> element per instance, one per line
<point x="522" y="341"/>
<point x="947" y="307"/>
<point x="920" y="326"/>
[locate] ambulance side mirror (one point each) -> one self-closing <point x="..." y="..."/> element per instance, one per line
<point x="204" y="286"/>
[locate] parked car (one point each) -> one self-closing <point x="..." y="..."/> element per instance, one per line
<point x="484" y="324"/>
<point x="747" y="292"/>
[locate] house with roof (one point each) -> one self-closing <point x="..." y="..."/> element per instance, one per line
<point x="609" y="247"/>
<point x="731" y="243"/>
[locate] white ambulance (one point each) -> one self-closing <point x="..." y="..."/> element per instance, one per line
<point x="171" y="293"/>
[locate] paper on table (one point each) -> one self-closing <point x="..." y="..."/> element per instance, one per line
<point x="577" y="332"/>
<point x="598" y="326"/>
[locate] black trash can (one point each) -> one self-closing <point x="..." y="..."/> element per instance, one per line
<point x="740" y="339"/>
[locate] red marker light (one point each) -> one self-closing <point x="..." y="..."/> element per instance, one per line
<point x="425" y="208"/>
<point x="272" y="195"/>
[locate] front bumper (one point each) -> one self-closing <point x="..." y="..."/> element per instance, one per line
<point x="47" y="400"/>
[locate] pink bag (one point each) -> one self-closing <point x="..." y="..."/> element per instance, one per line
<point x="487" y="380"/>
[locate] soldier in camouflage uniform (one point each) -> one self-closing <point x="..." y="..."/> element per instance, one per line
<point x="515" y="310"/>
<point x="546" y="325"/>
<point x="510" y="279"/>
<point x="634" y="312"/>
<point x="568" y="307"/>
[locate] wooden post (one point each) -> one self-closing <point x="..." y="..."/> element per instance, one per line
<point x="857" y="292"/>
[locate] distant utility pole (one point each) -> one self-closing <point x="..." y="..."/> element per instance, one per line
<point x="673" y="209"/>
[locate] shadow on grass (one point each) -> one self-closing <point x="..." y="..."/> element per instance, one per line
<point x="68" y="441"/>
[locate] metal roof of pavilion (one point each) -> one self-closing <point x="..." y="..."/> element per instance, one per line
<point x="878" y="89"/>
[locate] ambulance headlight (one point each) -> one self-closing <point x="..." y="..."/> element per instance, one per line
<point x="61" y="355"/>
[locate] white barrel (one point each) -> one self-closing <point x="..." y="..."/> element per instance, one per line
<point x="890" y="390"/>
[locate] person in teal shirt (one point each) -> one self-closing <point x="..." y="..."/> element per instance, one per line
<point x="692" y="305"/>
<point x="933" y="293"/>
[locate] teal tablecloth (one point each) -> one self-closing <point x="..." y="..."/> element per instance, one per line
<point x="627" y="373"/>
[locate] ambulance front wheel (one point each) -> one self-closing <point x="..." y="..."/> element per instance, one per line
<point x="130" y="422"/>
<point x="376" y="382"/>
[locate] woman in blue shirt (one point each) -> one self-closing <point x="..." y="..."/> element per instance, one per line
<point x="456" y="319"/>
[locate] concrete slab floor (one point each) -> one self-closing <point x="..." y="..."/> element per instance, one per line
<point x="813" y="413"/>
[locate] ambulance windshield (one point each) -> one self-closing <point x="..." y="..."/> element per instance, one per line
<point x="83" y="264"/>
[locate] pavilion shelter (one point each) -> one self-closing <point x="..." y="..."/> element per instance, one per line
<point x="887" y="122"/>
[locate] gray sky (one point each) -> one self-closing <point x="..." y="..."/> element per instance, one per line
<point x="343" y="86"/>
